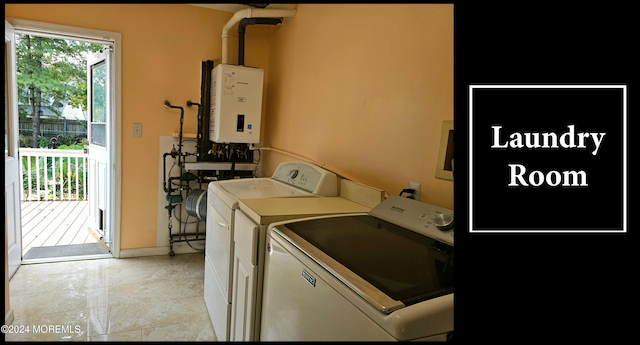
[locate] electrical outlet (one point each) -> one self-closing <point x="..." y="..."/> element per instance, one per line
<point x="415" y="186"/>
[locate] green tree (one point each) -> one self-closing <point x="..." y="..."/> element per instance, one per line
<point x="50" y="72"/>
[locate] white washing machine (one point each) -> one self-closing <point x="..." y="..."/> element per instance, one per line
<point x="386" y="275"/>
<point x="290" y="180"/>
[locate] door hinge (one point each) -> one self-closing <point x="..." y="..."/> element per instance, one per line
<point x="106" y="47"/>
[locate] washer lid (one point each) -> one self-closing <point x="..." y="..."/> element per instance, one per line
<point x="258" y="188"/>
<point x="399" y="263"/>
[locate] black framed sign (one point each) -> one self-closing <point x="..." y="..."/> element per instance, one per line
<point x="551" y="158"/>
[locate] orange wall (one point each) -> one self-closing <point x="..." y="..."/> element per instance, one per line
<point x="162" y="50"/>
<point x="364" y="89"/>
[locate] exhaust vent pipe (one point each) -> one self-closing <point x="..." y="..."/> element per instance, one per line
<point x="249" y="13"/>
<point x="241" y="30"/>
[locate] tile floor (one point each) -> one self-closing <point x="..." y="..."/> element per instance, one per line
<point x="153" y="298"/>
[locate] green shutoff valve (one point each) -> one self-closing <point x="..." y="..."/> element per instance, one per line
<point x="173" y="200"/>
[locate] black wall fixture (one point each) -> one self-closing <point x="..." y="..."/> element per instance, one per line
<point x="205" y="107"/>
<point x="241" y="30"/>
<point x="257" y="5"/>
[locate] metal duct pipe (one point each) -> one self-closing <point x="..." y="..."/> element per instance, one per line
<point x="249" y="13"/>
<point x="196" y="204"/>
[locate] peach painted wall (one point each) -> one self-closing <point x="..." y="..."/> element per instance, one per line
<point x="364" y="89"/>
<point x="162" y="50"/>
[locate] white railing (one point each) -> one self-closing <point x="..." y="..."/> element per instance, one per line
<point x="53" y="174"/>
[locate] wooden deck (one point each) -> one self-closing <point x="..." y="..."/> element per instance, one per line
<point x="55" y="223"/>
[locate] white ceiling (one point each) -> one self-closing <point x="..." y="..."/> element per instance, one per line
<point x="237" y="7"/>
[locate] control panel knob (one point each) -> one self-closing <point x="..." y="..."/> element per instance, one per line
<point x="293" y="173"/>
<point x="443" y="221"/>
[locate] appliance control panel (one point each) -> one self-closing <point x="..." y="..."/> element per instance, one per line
<point x="430" y="220"/>
<point x="307" y="177"/>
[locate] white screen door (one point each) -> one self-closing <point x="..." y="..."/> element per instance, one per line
<point x="100" y="110"/>
<point x="12" y="178"/>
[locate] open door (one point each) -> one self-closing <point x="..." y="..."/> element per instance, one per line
<point x="12" y="178"/>
<point x="100" y="114"/>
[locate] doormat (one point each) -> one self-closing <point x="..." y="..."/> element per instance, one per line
<point x="65" y="250"/>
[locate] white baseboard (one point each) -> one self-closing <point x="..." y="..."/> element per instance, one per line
<point x="8" y="317"/>
<point x="178" y="248"/>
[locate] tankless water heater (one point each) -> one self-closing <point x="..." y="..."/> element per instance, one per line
<point x="236" y="104"/>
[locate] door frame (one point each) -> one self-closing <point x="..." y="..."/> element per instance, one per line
<point x="12" y="179"/>
<point x="115" y="125"/>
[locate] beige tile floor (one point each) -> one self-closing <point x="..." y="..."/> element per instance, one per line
<point x="153" y="298"/>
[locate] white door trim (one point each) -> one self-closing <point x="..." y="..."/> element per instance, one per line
<point x="12" y="179"/>
<point x="96" y="36"/>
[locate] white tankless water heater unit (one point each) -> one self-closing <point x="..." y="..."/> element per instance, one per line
<point x="236" y="104"/>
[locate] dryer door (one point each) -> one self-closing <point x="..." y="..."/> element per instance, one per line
<point x="245" y="273"/>
<point x="219" y="247"/>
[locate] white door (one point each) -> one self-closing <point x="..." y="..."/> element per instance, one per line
<point x="12" y="178"/>
<point x="100" y="110"/>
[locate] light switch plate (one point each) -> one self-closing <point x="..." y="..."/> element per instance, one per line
<point x="137" y="130"/>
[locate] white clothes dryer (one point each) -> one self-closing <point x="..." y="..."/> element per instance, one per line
<point x="290" y="180"/>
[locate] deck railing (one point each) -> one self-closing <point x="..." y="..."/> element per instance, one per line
<point x="53" y="174"/>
